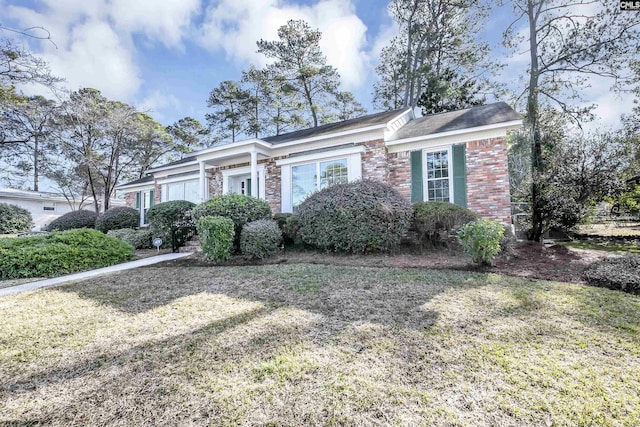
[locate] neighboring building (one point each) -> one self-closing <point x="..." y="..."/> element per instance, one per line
<point x="459" y="156"/>
<point x="45" y="207"/>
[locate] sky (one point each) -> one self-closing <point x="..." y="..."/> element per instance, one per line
<point x="165" y="56"/>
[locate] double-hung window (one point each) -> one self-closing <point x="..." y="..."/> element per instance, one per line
<point x="437" y="176"/>
<point x="310" y="177"/>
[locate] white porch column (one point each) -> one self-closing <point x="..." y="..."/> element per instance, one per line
<point x="204" y="193"/>
<point x="254" y="174"/>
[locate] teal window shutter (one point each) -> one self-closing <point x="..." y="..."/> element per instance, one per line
<point x="137" y="200"/>
<point x="248" y="190"/>
<point x="417" y="192"/>
<point x="459" y="176"/>
<point x="151" y="195"/>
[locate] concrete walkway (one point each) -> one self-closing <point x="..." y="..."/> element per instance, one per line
<point x="91" y="273"/>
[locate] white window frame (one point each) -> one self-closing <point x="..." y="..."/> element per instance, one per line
<point x="354" y="172"/>
<point x="245" y="170"/>
<point x="165" y="185"/>
<point x="425" y="180"/>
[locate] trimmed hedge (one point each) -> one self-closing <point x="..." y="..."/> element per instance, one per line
<point x="360" y="216"/>
<point x="74" y="219"/>
<point x="14" y="219"/>
<point x="621" y="274"/>
<point x="435" y="222"/>
<point x="481" y="240"/>
<point x="240" y="209"/>
<point x="290" y="227"/>
<point x="117" y="219"/>
<point x="60" y="253"/>
<point x="139" y="239"/>
<point x="260" y="239"/>
<point x="216" y="237"/>
<point x="172" y="221"/>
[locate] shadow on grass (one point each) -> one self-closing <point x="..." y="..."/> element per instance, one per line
<point x="390" y="297"/>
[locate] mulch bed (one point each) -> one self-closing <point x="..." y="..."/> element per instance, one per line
<point x="529" y="259"/>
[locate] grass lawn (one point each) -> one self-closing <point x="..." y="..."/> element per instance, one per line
<point x="315" y="345"/>
<point x="607" y="247"/>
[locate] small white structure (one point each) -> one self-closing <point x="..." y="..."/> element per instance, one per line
<point x="45" y="207"/>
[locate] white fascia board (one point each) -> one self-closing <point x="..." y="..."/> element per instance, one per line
<point x="136" y="187"/>
<point x="243" y="143"/>
<point x="192" y="177"/>
<point x="237" y="150"/>
<point x="330" y="135"/>
<point x="242" y="170"/>
<point x="162" y="168"/>
<point x="504" y="127"/>
<point x="321" y="155"/>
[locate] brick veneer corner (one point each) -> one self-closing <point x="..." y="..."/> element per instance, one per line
<point x="488" y="191"/>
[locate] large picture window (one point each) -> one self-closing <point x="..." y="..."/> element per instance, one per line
<point x="307" y="178"/>
<point x="185" y="190"/>
<point x="437" y="176"/>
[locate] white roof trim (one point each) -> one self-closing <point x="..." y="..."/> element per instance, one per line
<point x="330" y="135"/>
<point x="512" y="124"/>
<point x="320" y="155"/>
<point x="399" y="115"/>
<point x="149" y="184"/>
<point x="161" y="168"/>
<point x="192" y="177"/>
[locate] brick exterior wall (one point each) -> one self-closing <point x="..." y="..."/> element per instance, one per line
<point x="400" y="173"/>
<point x="215" y="182"/>
<point x="488" y="191"/>
<point x="130" y="199"/>
<point x="374" y="161"/>
<point x="273" y="188"/>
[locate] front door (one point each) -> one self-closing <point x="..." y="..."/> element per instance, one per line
<point x="242" y="185"/>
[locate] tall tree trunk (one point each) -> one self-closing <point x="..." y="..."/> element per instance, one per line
<point x="533" y="117"/>
<point x="36" y="165"/>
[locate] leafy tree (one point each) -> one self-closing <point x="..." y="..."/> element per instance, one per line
<point x="436" y="46"/>
<point x="31" y="122"/>
<point x="188" y="135"/>
<point x="344" y="107"/>
<point x="449" y="92"/>
<point x="152" y="143"/>
<point x="301" y="66"/>
<point x="232" y="105"/>
<point x="18" y="66"/>
<point x="567" y="43"/>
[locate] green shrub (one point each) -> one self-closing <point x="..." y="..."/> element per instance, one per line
<point x="74" y="219"/>
<point x="216" y="237"/>
<point x="240" y="209"/>
<point x="118" y="218"/>
<point x="621" y="273"/>
<point x="260" y="239"/>
<point x="60" y="253"/>
<point x="435" y="222"/>
<point x="139" y="239"/>
<point x="172" y="221"/>
<point x="481" y="240"/>
<point x="360" y="216"/>
<point x="14" y="219"/>
<point x="290" y="227"/>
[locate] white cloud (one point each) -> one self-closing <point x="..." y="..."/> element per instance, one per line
<point x="155" y="102"/>
<point x="93" y="38"/>
<point x="234" y="27"/>
<point x="165" y="21"/>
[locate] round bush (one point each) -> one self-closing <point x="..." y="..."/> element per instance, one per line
<point x="172" y="221"/>
<point x="240" y="209"/>
<point x="260" y="239"/>
<point x="14" y="219"/>
<point x="60" y="253"/>
<point x="435" y="222"/>
<point x="139" y="239"/>
<point x="481" y="240"/>
<point x="360" y="216"/>
<point x="74" y="219"/>
<point x="290" y="227"/>
<point x="216" y="237"/>
<point x="621" y="274"/>
<point x="118" y="218"/>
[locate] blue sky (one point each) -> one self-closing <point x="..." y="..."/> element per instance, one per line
<point x="164" y="56"/>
